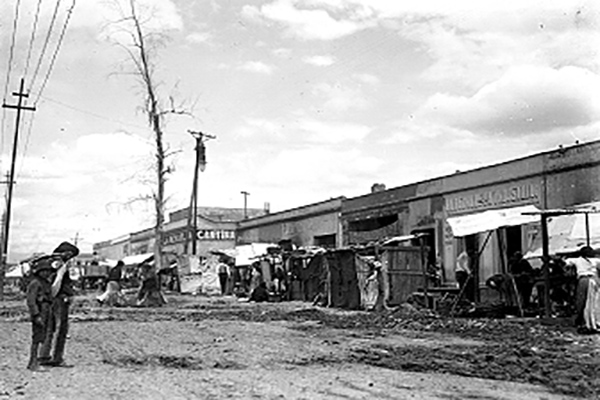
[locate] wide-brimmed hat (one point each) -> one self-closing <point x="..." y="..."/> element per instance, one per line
<point x="66" y="251"/>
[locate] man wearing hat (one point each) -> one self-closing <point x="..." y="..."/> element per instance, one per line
<point x="62" y="293"/>
<point x="39" y="301"/>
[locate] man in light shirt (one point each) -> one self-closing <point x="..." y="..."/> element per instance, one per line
<point x="587" y="300"/>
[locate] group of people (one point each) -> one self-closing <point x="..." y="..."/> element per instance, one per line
<point x="49" y="295"/>
<point x="586" y="266"/>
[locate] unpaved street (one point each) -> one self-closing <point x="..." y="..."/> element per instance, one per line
<point x="214" y="348"/>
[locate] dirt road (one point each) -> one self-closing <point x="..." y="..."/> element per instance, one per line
<point x="216" y="348"/>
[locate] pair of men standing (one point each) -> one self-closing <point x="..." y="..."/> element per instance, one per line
<point x="53" y="321"/>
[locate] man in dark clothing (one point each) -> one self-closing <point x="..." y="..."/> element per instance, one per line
<point x="522" y="273"/>
<point x="62" y="291"/>
<point x="39" y="300"/>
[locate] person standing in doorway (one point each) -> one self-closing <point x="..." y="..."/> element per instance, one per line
<point x="464" y="278"/>
<point x="52" y="352"/>
<point x="523" y="276"/>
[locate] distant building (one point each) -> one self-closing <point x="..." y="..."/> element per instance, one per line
<point x="215" y="230"/>
<point x="316" y="224"/>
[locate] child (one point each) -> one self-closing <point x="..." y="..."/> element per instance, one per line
<point x="39" y="300"/>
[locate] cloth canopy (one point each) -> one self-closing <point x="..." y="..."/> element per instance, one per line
<point x="567" y="233"/>
<point x="137" y="258"/>
<point x="248" y="253"/>
<point x="492" y="219"/>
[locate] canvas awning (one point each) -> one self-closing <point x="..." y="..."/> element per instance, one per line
<point x="246" y="254"/>
<point x="465" y="225"/>
<point x="569" y="232"/>
<point x="137" y="258"/>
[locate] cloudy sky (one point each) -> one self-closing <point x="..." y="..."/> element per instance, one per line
<point x="308" y="99"/>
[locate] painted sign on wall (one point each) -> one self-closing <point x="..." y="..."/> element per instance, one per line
<point x="510" y="195"/>
<point x="201" y="234"/>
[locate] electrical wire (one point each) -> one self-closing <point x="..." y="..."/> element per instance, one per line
<point x="58" y="45"/>
<point x="11" y="50"/>
<point x="45" y="46"/>
<point x="8" y="70"/>
<point x="31" y="40"/>
<point x="93" y="114"/>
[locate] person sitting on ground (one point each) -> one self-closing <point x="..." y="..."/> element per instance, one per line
<point x="39" y="301"/>
<point x="150" y="294"/>
<point x="260" y="293"/>
<point x="113" y="295"/>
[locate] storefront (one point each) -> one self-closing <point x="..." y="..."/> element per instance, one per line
<point x="480" y="211"/>
<point x="315" y="224"/>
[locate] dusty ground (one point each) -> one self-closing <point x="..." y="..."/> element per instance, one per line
<point x="215" y="348"/>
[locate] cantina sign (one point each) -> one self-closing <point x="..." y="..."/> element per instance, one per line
<point x="506" y="196"/>
<point x="201" y="234"/>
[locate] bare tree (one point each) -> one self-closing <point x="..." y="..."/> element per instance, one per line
<point x="140" y="50"/>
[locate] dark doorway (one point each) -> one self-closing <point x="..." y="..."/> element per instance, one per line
<point x="513" y="240"/>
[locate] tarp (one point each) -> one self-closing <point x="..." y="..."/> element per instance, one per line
<point x="492" y="219"/>
<point x="248" y="253"/>
<point x="137" y="258"/>
<point x="16" y="272"/>
<point x="567" y="233"/>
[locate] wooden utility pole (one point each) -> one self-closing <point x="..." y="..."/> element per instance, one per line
<point x="200" y="165"/>
<point x="19" y="106"/>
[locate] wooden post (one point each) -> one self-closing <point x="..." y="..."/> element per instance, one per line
<point x="546" y="266"/>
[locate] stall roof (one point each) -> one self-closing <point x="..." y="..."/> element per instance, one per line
<point x="248" y="253"/>
<point x="492" y="219"/>
<point x="137" y="258"/>
<point x="567" y="231"/>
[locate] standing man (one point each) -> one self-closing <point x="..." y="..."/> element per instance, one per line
<point x="39" y="300"/>
<point x="62" y="292"/>
<point x="522" y="273"/>
<point x="223" y="272"/>
<point x="587" y="296"/>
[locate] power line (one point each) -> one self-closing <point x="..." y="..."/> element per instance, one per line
<point x="35" y="23"/>
<point x="46" y="41"/>
<point x="93" y="114"/>
<point x="58" y="45"/>
<point x="12" y="47"/>
<point x="9" y="69"/>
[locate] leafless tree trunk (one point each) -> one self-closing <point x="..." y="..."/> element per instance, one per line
<point x="155" y="120"/>
<point x="139" y="51"/>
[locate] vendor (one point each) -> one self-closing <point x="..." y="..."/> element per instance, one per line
<point x="522" y="273"/>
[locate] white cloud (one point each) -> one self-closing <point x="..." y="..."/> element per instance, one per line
<point x="259" y="126"/>
<point x="258" y="67"/>
<point x="333" y="132"/>
<point x="199" y="37"/>
<point x="156" y="16"/>
<point x="99" y="174"/>
<point x="283" y="53"/>
<point x="340" y="98"/>
<point x="367" y="78"/>
<point x="304" y="23"/>
<point x="415" y="130"/>
<point x="303" y="166"/>
<point x="525" y="100"/>
<point x="319" y="61"/>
